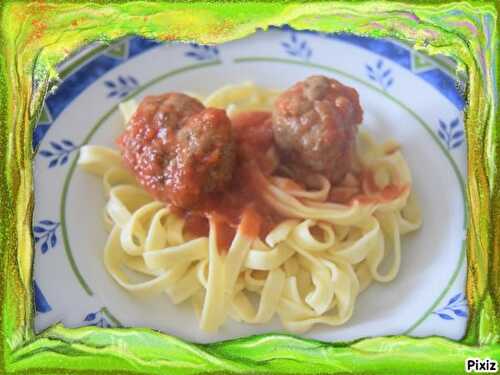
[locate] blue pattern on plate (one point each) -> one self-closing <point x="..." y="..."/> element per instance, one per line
<point x="85" y="75"/>
<point x="78" y="81"/>
<point x="202" y="52"/>
<point x="41" y="304"/>
<point x="456" y="307"/>
<point x="297" y="47"/>
<point x="394" y="52"/>
<point x="138" y="45"/>
<point x="121" y="86"/>
<point x="379" y="74"/>
<point x="450" y="133"/>
<point x="97" y="319"/>
<point x="446" y="85"/>
<point x="44" y="233"/>
<point x="401" y="55"/>
<point x="71" y="87"/>
<point x="38" y="134"/>
<point x="59" y="153"/>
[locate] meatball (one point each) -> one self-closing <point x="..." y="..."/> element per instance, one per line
<point x="315" y="125"/>
<point x="178" y="149"/>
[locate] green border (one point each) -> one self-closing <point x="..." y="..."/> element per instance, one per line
<point x="35" y="36"/>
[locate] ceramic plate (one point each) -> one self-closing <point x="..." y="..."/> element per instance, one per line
<point x="405" y="96"/>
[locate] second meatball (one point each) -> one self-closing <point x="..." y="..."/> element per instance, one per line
<point x="315" y="125"/>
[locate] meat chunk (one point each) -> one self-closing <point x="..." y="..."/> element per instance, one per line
<point x="315" y="125"/>
<point x="206" y="148"/>
<point x="178" y="149"/>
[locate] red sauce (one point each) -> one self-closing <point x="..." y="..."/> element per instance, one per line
<point x="177" y="149"/>
<point x="253" y="130"/>
<point x="195" y="224"/>
<point x="349" y="194"/>
<point x="225" y="232"/>
<point x="377" y="195"/>
<point x="342" y="195"/>
<point x="368" y="179"/>
<point x="240" y="203"/>
<point x="249" y="224"/>
<point x="385" y="195"/>
<point x="254" y="138"/>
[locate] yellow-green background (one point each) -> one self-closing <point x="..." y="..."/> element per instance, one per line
<point x="34" y="36"/>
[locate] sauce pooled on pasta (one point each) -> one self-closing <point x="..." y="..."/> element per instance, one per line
<point x="204" y="165"/>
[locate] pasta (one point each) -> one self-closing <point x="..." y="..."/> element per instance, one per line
<point x="309" y="269"/>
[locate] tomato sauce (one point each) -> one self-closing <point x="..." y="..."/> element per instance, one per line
<point x="387" y="194"/>
<point x="178" y="149"/>
<point x="378" y="195"/>
<point x="240" y="203"/>
<point x="350" y="194"/>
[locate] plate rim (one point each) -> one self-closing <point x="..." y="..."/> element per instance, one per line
<point x="69" y="173"/>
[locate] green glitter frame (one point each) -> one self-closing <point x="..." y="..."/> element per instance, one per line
<point x="35" y="36"/>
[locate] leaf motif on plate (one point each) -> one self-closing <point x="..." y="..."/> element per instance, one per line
<point x="379" y="74"/>
<point x="46" y="234"/>
<point x="297" y="47"/>
<point x="450" y="133"/>
<point x="202" y="52"/>
<point x="98" y="319"/>
<point x="59" y="153"/>
<point x="121" y="87"/>
<point x="90" y="317"/>
<point x="456" y="307"/>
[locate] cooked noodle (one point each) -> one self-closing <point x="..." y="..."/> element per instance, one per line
<point x="308" y="269"/>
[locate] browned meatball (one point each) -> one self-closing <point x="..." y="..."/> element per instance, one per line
<point x="207" y="150"/>
<point x="315" y="125"/>
<point x="178" y="149"/>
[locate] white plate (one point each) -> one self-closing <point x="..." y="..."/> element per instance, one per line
<point x="405" y="96"/>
